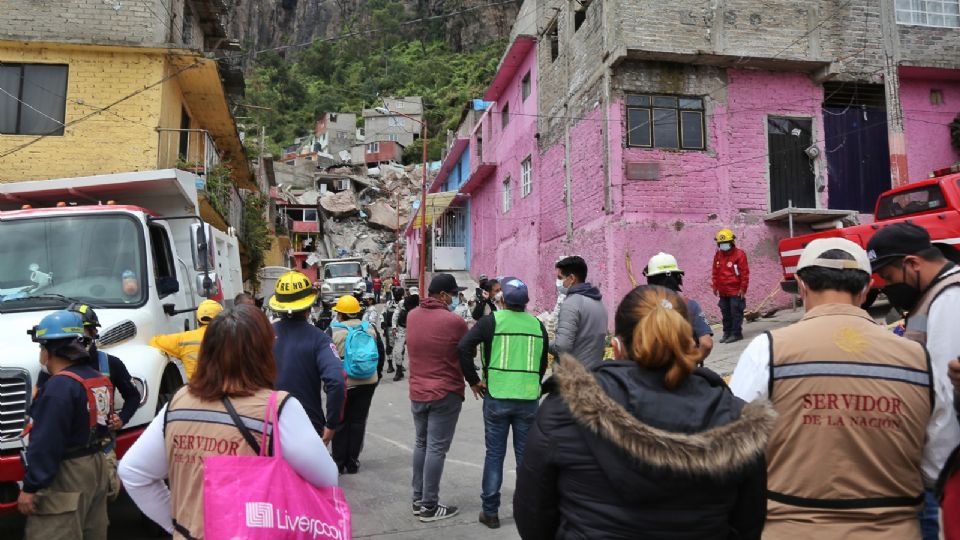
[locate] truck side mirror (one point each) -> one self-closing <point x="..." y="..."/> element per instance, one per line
<point x="200" y="239"/>
<point x="167" y="285"/>
<point x="207" y="284"/>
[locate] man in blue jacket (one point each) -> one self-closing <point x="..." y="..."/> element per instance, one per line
<point x="306" y="358"/>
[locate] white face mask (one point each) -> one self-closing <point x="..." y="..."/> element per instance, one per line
<point x="560" y="288"/>
<point x="499" y="297"/>
<point x="43" y="365"/>
<point x="724" y="246"/>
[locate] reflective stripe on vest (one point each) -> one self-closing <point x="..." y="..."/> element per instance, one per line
<point x="213" y="417"/>
<point x="515" y="354"/>
<point x="852" y="369"/>
<point x="854" y="404"/>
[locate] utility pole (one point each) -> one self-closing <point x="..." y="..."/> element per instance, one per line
<point x="891" y="82"/>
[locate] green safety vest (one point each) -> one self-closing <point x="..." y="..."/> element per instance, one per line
<point x="515" y="353"/>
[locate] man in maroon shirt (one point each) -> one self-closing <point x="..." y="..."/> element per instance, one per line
<point x="436" y="391"/>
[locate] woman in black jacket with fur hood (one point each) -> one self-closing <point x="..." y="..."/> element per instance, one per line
<point x="647" y="446"/>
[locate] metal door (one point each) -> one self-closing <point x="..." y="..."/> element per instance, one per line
<point x="792" y="178"/>
<point x="450" y="240"/>
<point x="858" y="156"/>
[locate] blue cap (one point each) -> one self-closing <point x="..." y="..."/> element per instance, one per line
<point x="515" y="292"/>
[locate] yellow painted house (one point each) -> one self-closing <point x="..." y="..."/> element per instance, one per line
<point x="95" y="87"/>
<point x="89" y="87"/>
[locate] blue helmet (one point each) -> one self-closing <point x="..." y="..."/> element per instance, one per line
<point x="61" y="324"/>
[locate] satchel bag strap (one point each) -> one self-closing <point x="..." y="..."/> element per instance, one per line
<point x="271" y="418"/>
<point x="244" y="430"/>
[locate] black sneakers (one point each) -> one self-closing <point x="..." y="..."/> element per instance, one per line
<point x="417" y="506"/>
<point x="437" y="513"/>
<point x="492" y="521"/>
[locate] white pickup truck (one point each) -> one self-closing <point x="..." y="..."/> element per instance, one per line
<point x="132" y="246"/>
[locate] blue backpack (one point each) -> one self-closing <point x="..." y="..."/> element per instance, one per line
<point x="360" y="356"/>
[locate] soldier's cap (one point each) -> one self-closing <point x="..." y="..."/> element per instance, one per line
<point x="812" y="255"/>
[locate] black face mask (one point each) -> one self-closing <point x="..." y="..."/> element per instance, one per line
<point x="903" y="296"/>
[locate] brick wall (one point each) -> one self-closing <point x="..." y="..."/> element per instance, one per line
<point x="118" y="140"/>
<point x="925" y="123"/>
<point x="142" y="22"/>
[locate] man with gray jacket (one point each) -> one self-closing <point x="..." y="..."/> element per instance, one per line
<point x="582" y="320"/>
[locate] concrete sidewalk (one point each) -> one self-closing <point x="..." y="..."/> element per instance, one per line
<point x="725" y="356"/>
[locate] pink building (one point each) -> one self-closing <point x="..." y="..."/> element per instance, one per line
<point x="601" y="141"/>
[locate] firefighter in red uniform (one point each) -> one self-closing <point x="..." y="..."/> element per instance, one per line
<point x="731" y="276"/>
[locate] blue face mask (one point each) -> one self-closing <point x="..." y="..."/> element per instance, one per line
<point x="725" y="246"/>
<point x="455" y="301"/>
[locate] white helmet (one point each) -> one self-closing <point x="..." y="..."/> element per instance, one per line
<point x="662" y="263"/>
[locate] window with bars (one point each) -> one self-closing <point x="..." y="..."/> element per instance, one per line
<point x="665" y="122"/>
<point x="32" y="99"/>
<point x="940" y="13"/>
<point x="506" y="195"/>
<point x="373" y="148"/>
<point x="526" y="177"/>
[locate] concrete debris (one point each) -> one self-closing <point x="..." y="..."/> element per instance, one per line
<point x="339" y="204"/>
<point x="358" y="213"/>
<point x="383" y="215"/>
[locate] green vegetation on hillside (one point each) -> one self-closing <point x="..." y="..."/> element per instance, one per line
<point x="347" y="74"/>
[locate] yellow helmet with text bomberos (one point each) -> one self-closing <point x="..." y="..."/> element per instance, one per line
<point x="294" y="292"/>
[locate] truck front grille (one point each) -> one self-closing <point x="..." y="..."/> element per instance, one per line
<point x="14" y="402"/>
<point x="343" y="287"/>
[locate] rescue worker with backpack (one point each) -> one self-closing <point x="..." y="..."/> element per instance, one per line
<point x="358" y="344"/>
<point x="115" y="370"/>
<point x="65" y="484"/>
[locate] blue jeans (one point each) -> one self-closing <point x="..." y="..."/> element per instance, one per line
<point x="929" y="517"/>
<point x="499" y="415"/>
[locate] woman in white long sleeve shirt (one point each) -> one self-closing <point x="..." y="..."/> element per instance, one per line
<point x="235" y="368"/>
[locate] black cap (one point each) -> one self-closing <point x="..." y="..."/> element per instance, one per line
<point x="896" y="242"/>
<point x="86" y="313"/>
<point x="444" y="283"/>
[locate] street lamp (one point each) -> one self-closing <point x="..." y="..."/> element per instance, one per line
<point x="423" y="190"/>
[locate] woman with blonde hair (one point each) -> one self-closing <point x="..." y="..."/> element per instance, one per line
<point x="645" y="446"/>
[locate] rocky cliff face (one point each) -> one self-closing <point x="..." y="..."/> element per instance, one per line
<point x="464" y="24"/>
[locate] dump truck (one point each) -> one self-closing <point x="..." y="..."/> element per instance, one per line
<point x="133" y="247"/>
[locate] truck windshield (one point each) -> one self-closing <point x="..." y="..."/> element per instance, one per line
<point x="912" y="201"/>
<point x="47" y="263"/>
<point x="341" y="270"/>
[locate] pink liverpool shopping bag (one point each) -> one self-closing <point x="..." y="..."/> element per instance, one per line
<point x="263" y="498"/>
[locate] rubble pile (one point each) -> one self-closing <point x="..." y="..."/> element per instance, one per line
<point x="362" y="220"/>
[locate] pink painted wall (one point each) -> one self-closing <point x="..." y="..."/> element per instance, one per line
<point x="925" y="124"/>
<point x="507" y="243"/>
<point x="698" y="193"/>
